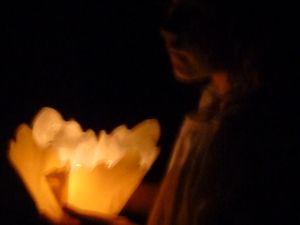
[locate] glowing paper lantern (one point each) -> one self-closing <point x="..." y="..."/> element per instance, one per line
<point x="61" y="165"/>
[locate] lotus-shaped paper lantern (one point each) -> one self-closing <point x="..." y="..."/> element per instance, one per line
<point x="61" y="165"/>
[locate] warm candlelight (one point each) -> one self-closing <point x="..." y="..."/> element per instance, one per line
<point x="93" y="174"/>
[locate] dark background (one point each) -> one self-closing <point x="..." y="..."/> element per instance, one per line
<point x="102" y="63"/>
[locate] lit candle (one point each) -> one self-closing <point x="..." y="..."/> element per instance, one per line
<point x="61" y="165"/>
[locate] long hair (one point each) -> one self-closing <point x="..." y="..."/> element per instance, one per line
<point x="250" y="40"/>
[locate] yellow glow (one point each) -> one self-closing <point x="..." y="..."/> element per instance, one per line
<point x="62" y="165"/>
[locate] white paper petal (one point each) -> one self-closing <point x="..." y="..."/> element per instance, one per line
<point x="46" y="125"/>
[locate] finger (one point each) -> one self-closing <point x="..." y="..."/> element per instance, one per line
<point x="122" y="221"/>
<point x="88" y="219"/>
<point x="65" y="220"/>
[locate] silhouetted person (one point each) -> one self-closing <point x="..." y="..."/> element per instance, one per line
<point x="234" y="159"/>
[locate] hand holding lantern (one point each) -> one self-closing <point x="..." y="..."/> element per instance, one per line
<point x="61" y="165"/>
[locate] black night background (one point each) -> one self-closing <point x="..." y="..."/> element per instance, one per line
<point x="100" y="62"/>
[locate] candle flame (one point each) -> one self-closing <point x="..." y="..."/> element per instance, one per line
<point x="61" y="164"/>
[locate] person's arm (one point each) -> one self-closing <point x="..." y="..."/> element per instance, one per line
<point x="143" y="198"/>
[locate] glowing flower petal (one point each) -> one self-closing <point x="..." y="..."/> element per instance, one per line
<point x="61" y="164"/>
